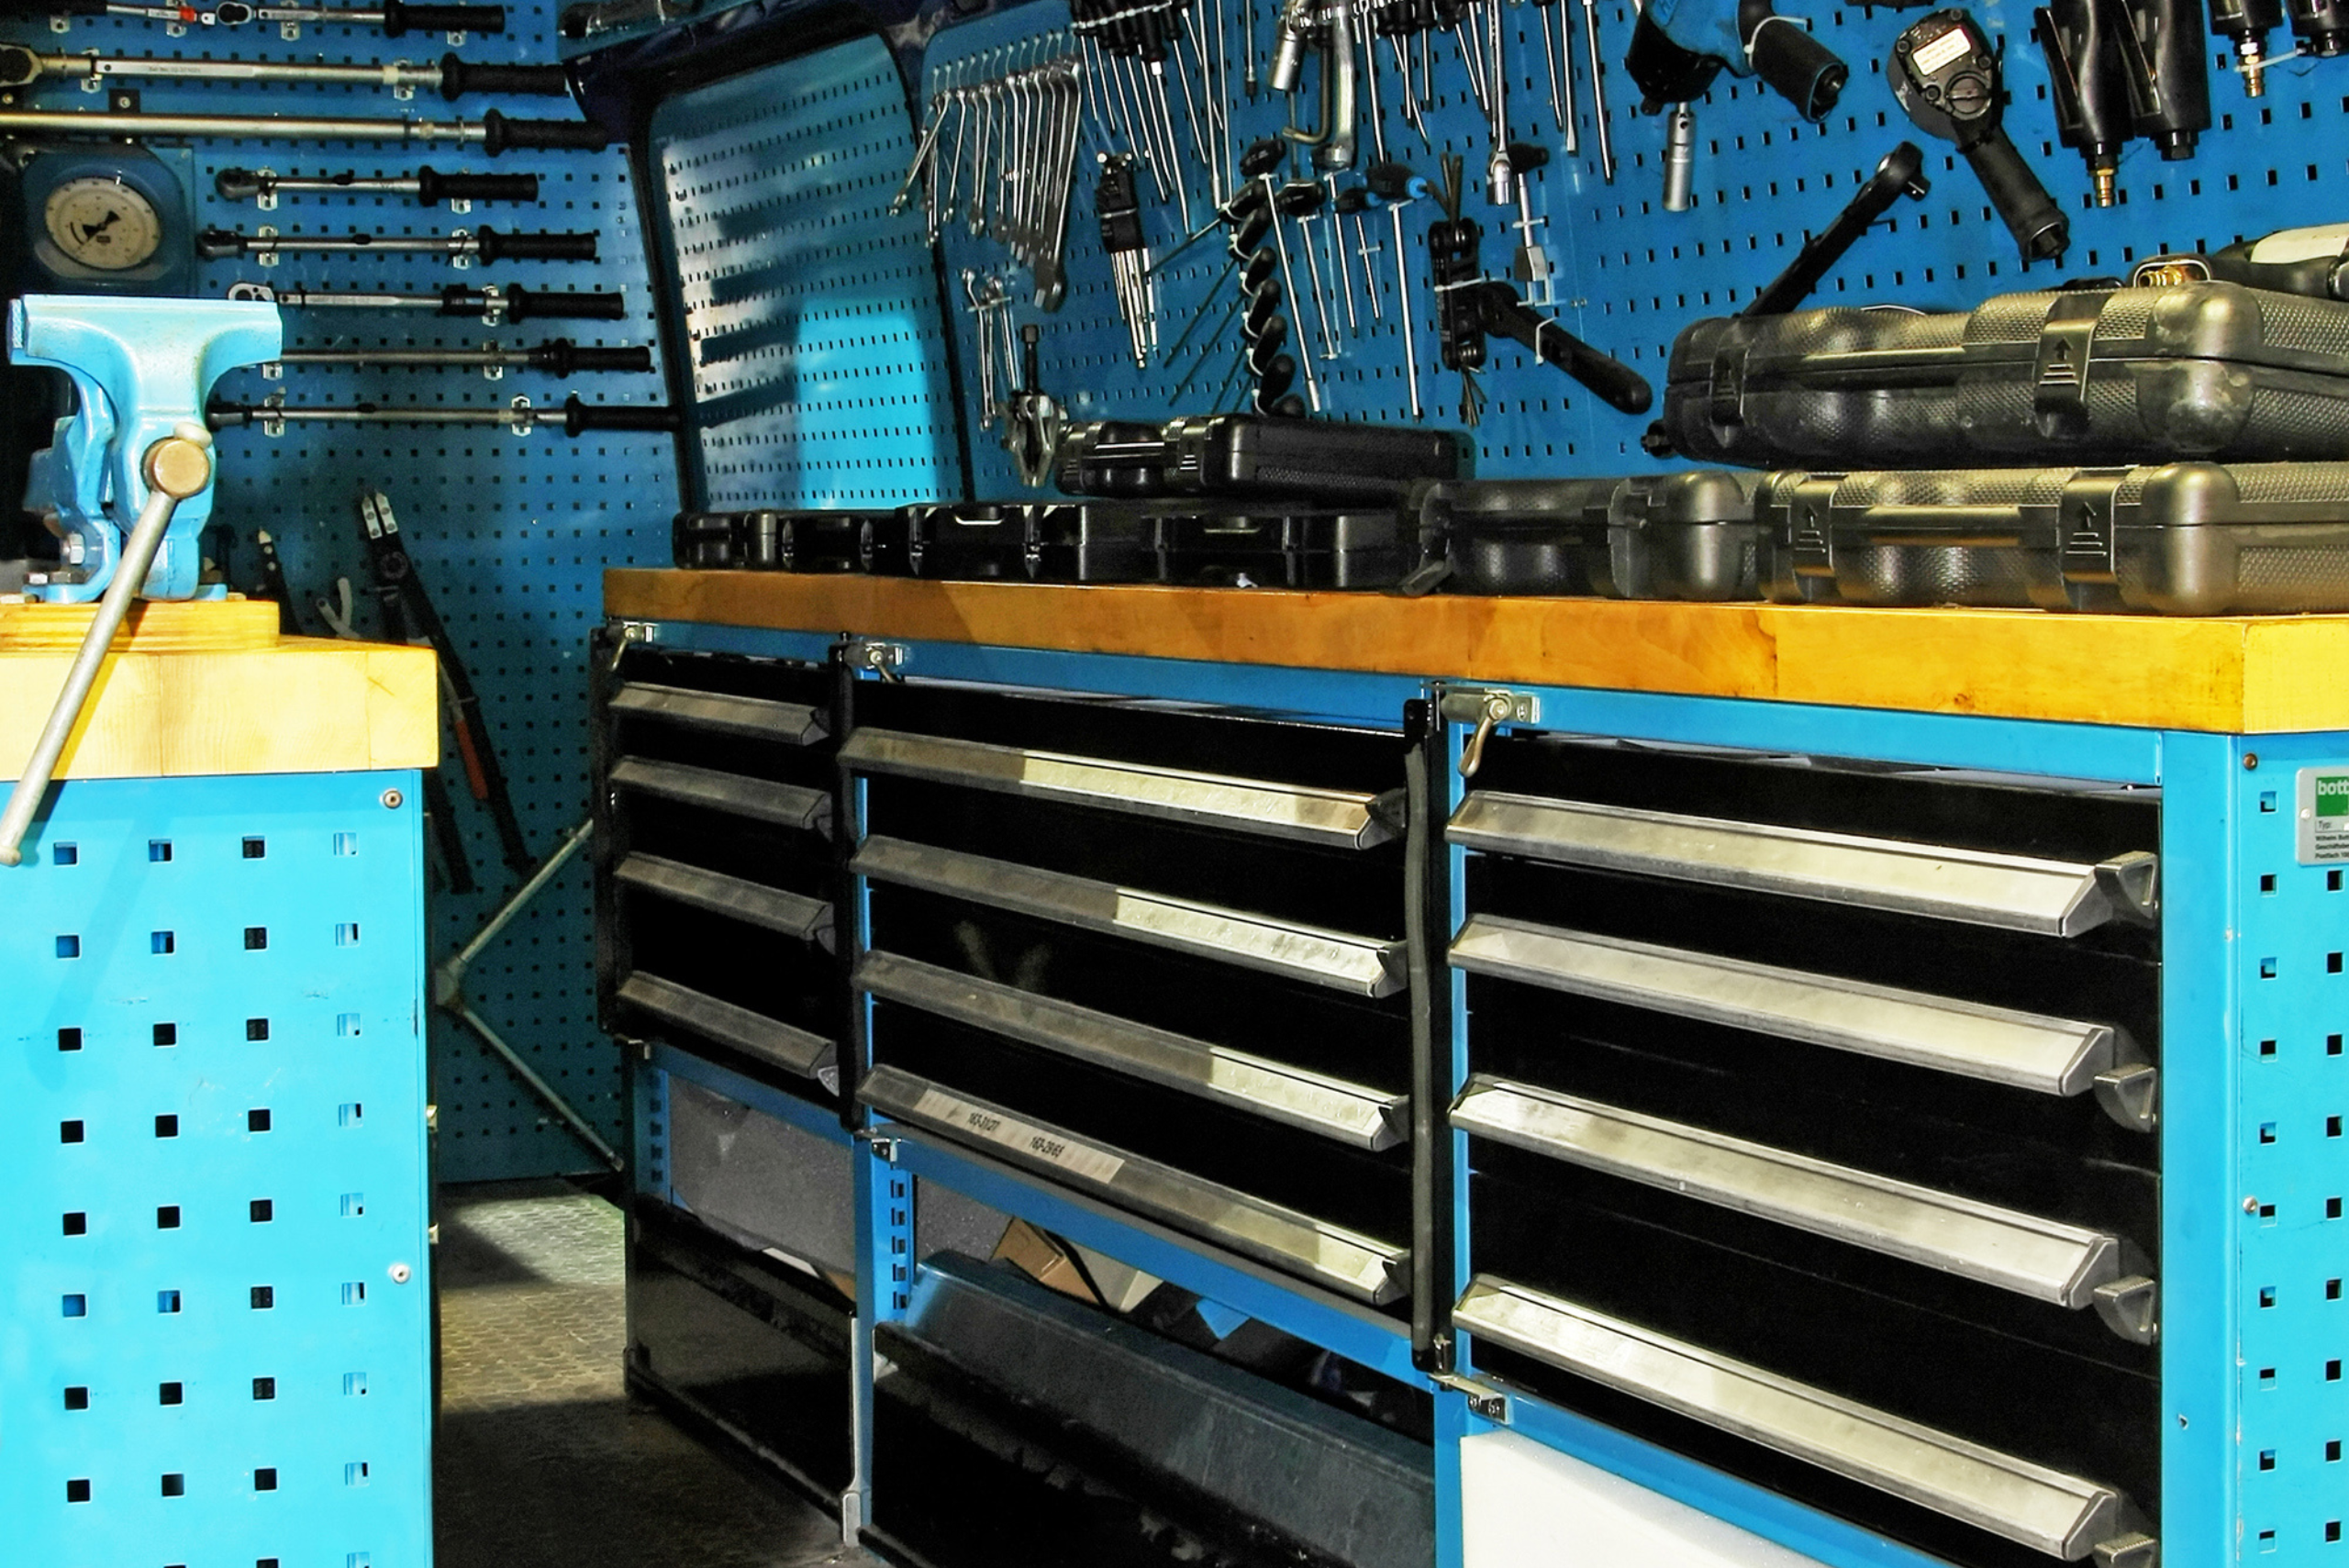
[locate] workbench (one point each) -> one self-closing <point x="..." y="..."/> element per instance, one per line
<point x="216" y="1341"/>
<point x="2209" y="735"/>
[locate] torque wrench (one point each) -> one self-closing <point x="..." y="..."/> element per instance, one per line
<point x="428" y="185"/>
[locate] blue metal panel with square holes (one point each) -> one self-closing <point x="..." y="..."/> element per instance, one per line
<point x="215" y="1291"/>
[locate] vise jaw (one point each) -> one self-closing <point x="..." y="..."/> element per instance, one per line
<point x="141" y="368"/>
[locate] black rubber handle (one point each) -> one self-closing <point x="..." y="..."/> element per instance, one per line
<point x="52" y="7"/>
<point x="432" y="188"/>
<point x="459" y="77"/>
<point x="548" y="246"/>
<point x="400" y="17"/>
<point x="1805" y="71"/>
<point x="499" y="132"/>
<point x="562" y="357"/>
<point x="548" y="305"/>
<point x="579" y="417"/>
<point x="2042" y="231"/>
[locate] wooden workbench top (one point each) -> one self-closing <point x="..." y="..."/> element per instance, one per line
<point x="211" y="689"/>
<point x="2241" y="676"/>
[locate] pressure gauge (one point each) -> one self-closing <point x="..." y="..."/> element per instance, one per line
<point x="102" y="223"/>
<point x="79" y="218"/>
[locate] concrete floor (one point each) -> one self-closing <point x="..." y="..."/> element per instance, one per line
<point x="543" y="1461"/>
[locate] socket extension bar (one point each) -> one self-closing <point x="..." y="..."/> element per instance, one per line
<point x="452" y="77"/>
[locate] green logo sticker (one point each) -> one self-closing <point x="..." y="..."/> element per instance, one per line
<point x="2332" y="795"/>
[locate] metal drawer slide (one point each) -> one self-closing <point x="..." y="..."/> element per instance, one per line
<point x="771" y="909"/>
<point x="1349" y="1113"/>
<point x="1340" y="819"/>
<point x="2037" y="1258"/>
<point x="754" y="1034"/>
<point x="2012" y="892"/>
<point x="1364" y="966"/>
<point x="1998" y="1045"/>
<point x="1332" y="1257"/>
<point x="791" y="723"/>
<point x="786" y="806"/>
<point x="2063" y="1516"/>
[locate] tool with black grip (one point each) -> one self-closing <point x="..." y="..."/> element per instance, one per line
<point x="1503" y="313"/>
<point x="1747" y="37"/>
<point x="1116" y="198"/>
<point x="1903" y="173"/>
<point x="393" y="16"/>
<point x="2245" y="25"/>
<point x="572" y="418"/>
<point x="408" y="614"/>
<point x="2321" y="26"/>
<point x="485" y="245"/>
<point x="557" y="356"/>
<point x="493" y="133"/>
<point x="452" y="78"/>
<point x="428" y="185"/>
<point x="492" y="302"/>
<point x="2085" y="81"/>
<point x="2165" y="71"/>
<point x="2313" y="262"/>
<point x="1945" y="72"/>
<point x="1456" y="270"/>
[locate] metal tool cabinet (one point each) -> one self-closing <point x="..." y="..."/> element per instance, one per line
<point x="215" y="1285"/>
<point x="1911" y="1137"/>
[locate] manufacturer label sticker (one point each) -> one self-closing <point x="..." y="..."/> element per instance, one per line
<point x="2321" y="814"/>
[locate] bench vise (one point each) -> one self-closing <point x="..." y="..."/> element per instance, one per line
<point x="141" y="368"/>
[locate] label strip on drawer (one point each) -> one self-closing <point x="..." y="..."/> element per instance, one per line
<point x="1339" y="818"/>
<point x="2017" y="892"/>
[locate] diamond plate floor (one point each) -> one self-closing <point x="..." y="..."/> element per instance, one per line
<point x="542" y="1461"/>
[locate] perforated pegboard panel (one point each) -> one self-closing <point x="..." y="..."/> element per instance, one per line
<point x="1630" y="275"/>
<point x="818" y="359"/>
<point x="214" y="1300"/>
<point x="511" y="533"/>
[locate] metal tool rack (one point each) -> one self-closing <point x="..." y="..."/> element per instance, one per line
<point x="2212" y="1231"/>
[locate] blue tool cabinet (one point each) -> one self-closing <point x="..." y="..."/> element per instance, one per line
<point x="215" y="1346"/>
<point x="2226" y="1443"/>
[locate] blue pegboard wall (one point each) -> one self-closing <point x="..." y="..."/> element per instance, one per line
<point x="819" y="374"/>
<point x="511" y="533"/>
<point x="214" y="1298"/>
<point x="1629" y="276"/>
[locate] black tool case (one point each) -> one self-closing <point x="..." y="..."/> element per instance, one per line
<point x="1662" y="536"/>
<point x="965" y="541"/>
<point x="1092" y="541"/>
<point x="770" y="541"/>
<point x="1248" y="455"/>
<point x="2127" y="375"/>
<point x="2185" y="539"/>
<point x="1269" y="548"/>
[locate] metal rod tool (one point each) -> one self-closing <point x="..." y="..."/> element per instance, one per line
<point x="486" y="245"/>
<point x="493" y="132"/>
<point x="491" y="302"/>
<point x="572" y="418"/>
<point x="428" y="185"/>
<point x="557" y="356"/>
<point x="452" y="78"/>
<point x="393" y="16"/>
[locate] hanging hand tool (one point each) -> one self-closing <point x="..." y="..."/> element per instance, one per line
<point x="1032" y="421"/>
<point x="1747" y="37"/>
<point x="1530" y="266"/>
<point x="492" y="302"/>
<point x="408" y="615"/>
<point x="2246" y="24"/>
<point x="1353" y="202"/>
<point x="2168" y="77"/>
<point x="1117" y="200"/>
<point x="574" y="417"/>
<point x="1558" y="54"/>
<point x="1395" y="187"/>
<point x="1307" y="24"/>
<point x="1456" y="270"/>
<point x="1946" y="74"/>
<point x="557" y="356"/>
<point x="428" y="187"/>
<point x="1900" y="174"/>
<point x="1501" y="313"/>
<point x="493" y="132"/>
<point x="1598" y="92"/>
<point x="395" y="18"/>
<point x="2083" y="82"/>
<point x="273" y="587"/>
<point x="486" y="245"/>
<point x="2321" y="26"/>
<point x="1259" y="161"/>
<point x="1300" y="201"/>
<point x="452" y="78"/>
<point x="1679" y="158"/>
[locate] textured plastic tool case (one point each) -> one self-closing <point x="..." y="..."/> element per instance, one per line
<point x="1248" y="455"/>
<point x="2131" y="375"/>
<point x="1092" y="541"/>
<point x="1264" y="548"/>
<point x="1661" y="535"/>
<point x="2184" y="539"/>
<point x="956" y="540"/>
<point x="770" y="541"/>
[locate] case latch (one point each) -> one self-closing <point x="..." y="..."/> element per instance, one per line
<point x="2084" y="529"/>
<point x="2059" y="378"/>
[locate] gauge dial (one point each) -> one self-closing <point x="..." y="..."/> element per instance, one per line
<point x="103" y="224"/>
